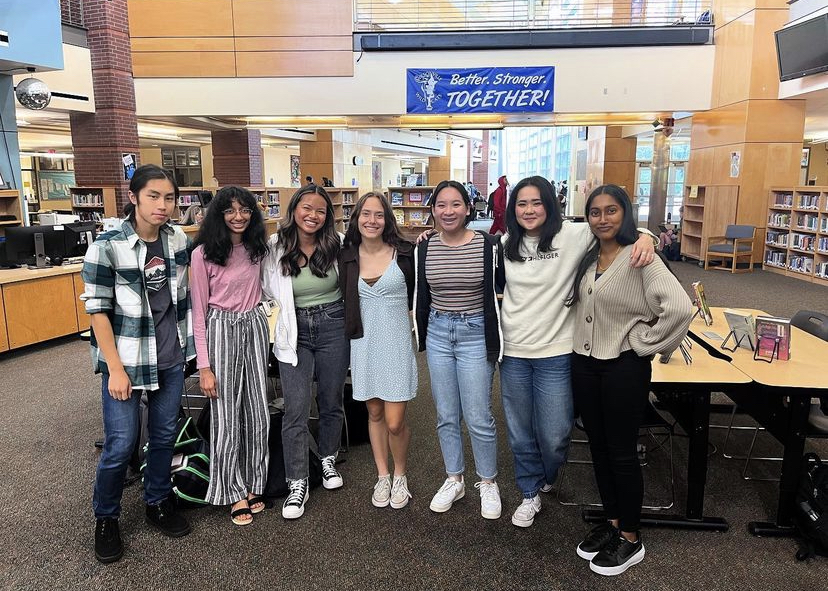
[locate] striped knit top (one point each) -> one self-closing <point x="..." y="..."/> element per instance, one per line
<point x="455" y="275"/>
<point x="645" y="310"/>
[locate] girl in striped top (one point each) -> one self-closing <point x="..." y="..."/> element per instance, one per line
<point x="458" y="325"/>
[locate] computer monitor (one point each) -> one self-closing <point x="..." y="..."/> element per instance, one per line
<point x="205" y="197"/>
<point x="31" y="245"/>
<point x="77" y="237"/>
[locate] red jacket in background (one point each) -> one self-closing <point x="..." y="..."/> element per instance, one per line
<point x="499" y="212"/>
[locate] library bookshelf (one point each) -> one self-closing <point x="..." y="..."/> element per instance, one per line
<point x="708" y="210"/>
<point x="93" y="204"/>
<point x="412" y="208"/>
<point x="796" y="240"/>
<point x="11" y="209"/>
<point x="343" y="199"/>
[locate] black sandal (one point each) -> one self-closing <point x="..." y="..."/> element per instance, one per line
<point x="234" y="516"/>
<point x="256" y="500"/>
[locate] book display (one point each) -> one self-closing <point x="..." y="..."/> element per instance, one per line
<point x="796" y="242"/>
<point x="773" y="338"/>
<point x="742" y="330"/>
<point x="93" y="203"/>
<point x="412" y="208"/>
<point x="703" y="310"/>
<point x="343" y="200"/>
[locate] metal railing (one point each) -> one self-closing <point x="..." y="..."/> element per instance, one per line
<point x="440" y="15"/>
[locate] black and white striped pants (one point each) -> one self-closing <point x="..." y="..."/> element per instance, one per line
<point x="238" y="346"/>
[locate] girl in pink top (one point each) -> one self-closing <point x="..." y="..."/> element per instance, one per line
<point x="232" y="344"/>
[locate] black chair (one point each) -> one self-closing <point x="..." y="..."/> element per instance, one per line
<point x="655" y="429"/>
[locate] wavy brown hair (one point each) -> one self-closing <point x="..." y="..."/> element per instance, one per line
<point x="327" y="239"/>
<point x="390" y="233"/>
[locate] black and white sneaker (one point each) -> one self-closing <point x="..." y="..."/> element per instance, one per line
<point x="294" y="506"/>
<point x="596" y="539"/>
<point x="331" y="478"/>
<point x="617" y="556"/>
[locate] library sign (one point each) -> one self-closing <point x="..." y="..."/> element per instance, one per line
<point x="480" y="90"/>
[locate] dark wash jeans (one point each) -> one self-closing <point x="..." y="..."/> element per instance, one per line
<point x="611" y="396"/>
<point x="121" y="422"/>
<point x="323" y="351"/>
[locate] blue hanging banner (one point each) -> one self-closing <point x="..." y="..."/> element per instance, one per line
<point x="480" y="90"/>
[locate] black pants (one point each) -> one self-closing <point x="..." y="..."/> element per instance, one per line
<point x="610" y="395"/>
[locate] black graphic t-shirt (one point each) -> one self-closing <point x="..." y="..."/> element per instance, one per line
<point x="163" y="310"/>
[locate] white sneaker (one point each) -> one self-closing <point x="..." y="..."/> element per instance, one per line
<point x="489" y="499"/>
<point x="294" y="506"/>
<point x="399" y="492"/>
<point x="382" y="491"/>
<point x="452" y="490"/>
<point x="331" y="478"/>
<point x="524" y="515"/>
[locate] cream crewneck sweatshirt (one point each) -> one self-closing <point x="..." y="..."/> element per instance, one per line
<point x="535" y="322"/>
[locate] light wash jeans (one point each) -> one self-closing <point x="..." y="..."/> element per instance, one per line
<point x="537" y="402"/>
<point x="461" y="385"/>
<point x="121" y="422"/>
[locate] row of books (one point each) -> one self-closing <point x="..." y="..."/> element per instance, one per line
<point x="783" y="200"/>
<point x="822" y="246"/>
<point x="801" y="264"/>
<point x="803" y="241"/>
<point x="347" y="198"/>
<point x="777" y="238"/>
<point x="188" y="199"/>
<point x="807" y="221"/>
<point x="822" y="270"/>
<point x="412" y="218"/>
<point x="346" y="211"/>
<point x="782" y="220"/>
<point x="87" y="199"/>
<point x="90" y="216"/>
<point x="824" y="224"/>
<point x="808" y="201"/>
<point x="775" y="258"/>
<point x="414" y="198"/>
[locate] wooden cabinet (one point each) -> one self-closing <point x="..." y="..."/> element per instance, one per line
<point x="40" y="309"/>
<point x="796" y="242"/>
<point x="83" y="317"/>
<point x="11" y="212"/>
<point x="93" y="203"/>
<point x="708" y="210"/>
<point x="4" y="337"/>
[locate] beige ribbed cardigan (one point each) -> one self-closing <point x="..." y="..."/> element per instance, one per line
<point x="645" y="310"/>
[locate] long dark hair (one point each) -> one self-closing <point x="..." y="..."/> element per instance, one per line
<point x="548" y="230"/>
<point x="390" y="233"/>
<point x="627" y="234"/>
<point x="327" y="240"/>
<point x="214" y="234"/>
<point x="460" y="189"/>
<point x="140" y="178"/>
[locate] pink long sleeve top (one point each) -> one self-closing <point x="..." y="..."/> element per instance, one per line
<point x="235" y="287"/>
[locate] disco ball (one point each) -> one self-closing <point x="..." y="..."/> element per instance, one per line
<point x="33" y="94"/>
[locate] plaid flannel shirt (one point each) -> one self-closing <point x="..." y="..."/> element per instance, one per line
<point x="113" y="273"/>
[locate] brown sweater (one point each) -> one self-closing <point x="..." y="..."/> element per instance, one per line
<point x="645" y="310"/>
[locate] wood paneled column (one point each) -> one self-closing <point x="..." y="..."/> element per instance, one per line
<point x="610" y="159"/>
<point x="342" y="155"/>
<point x="747" y="119"/>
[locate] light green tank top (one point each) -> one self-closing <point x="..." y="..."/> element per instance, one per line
<point x="310" y="290"/>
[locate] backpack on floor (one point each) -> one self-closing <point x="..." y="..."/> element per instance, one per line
<point x="811" y="508"/>
<point x="190" y="470"/>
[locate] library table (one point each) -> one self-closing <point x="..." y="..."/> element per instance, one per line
<point x="686" y="391"/>
<point x="779" y="400"/>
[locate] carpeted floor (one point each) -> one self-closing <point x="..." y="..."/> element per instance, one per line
<point x="51" y="416"/>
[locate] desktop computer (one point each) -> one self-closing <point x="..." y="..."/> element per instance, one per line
<point x="44" y="246"/>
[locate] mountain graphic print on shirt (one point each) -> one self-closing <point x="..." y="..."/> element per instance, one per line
<point x="155" y="274"/>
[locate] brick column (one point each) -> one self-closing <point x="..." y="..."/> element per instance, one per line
<point x="237" y="157"/>
<point x="480" y="170"/>
<point x="99" y="138"/>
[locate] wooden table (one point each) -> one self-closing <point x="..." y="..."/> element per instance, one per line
<point x="686" y="390"/>
<point x="40" y="304"/>
<point x="779" y="400"/>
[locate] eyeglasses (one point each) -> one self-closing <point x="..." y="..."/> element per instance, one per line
<point x="245" y="211"/>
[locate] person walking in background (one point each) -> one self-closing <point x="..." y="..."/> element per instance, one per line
<point x="377" y="281"/>
<point x="136" y="293"/>
<point x="458" y="325"/>
<point x="301" y="274"/>
<point x="231" y="337"/>
<point x="499" y="198"/>
<point x="542" y="252"/>
<point x="624" y="316"/>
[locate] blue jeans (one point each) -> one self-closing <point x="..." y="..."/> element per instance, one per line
<point x="121" y="422"/>
<point x="461" y="385"/>
<point x="537" y="402"/>
<point x="324" y="351"/>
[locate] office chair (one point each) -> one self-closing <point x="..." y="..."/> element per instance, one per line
<point x="655" y="428"/>
<point x="814" y="323"/>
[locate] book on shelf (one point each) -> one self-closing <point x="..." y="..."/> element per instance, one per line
<point x="415" y="197"/>
<point x="415" y="218"/>
<point x="742" y="329"/>
<point x="427" y="198"/>
<point x="773" y="337"/>
<point x="427" y="219"/>
<point x="783" y="200"/>
<point x="701" y="303"/>
<point x="775" y="258"/>
<point x="396" y="198"/>
<point x="399" y="215"/>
